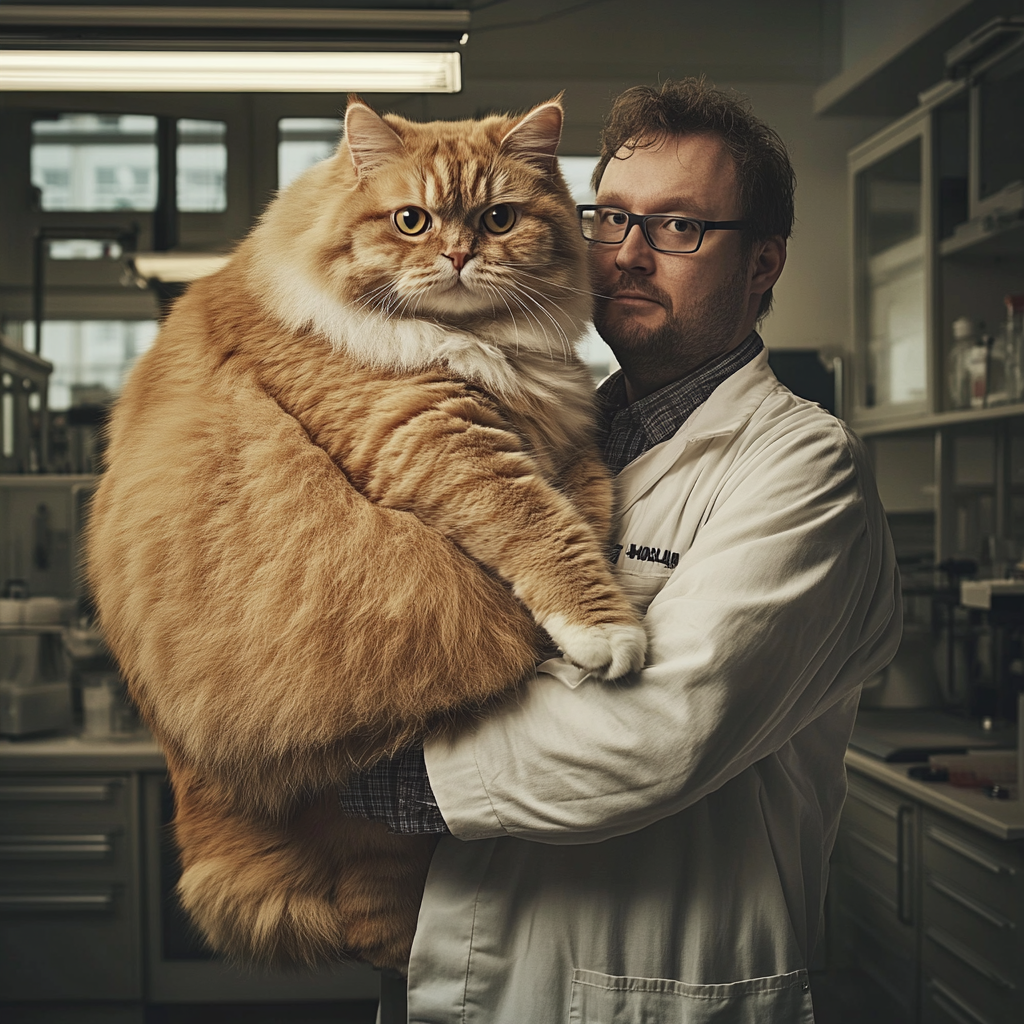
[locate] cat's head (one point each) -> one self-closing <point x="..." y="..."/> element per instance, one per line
<point x="465" y="224"/>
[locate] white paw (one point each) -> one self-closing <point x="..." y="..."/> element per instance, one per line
<point x="612" y="648"/>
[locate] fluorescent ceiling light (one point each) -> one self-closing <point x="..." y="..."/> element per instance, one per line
<point x="213" y="71"/>
<point x="176" y="267"/>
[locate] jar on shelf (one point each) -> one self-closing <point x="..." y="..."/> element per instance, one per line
<point x="1013" y="338"/>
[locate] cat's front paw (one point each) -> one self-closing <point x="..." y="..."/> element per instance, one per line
<point x="611" y="648"/>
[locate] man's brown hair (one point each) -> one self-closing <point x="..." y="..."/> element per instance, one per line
<point x="643" y="115"/>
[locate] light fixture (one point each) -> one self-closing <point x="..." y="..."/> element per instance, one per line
<point x="46" y="47"/>
<point x="213" y="71"/>
<point x="175" y="267"/>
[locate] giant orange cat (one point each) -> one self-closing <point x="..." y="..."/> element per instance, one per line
<point x="349" y="481"/>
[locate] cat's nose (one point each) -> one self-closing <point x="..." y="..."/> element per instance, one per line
<point x="458" y="259"/>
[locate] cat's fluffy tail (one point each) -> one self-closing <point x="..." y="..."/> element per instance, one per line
<point x="313" y="889"/>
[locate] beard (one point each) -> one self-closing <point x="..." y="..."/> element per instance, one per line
<point x="685" y="340"/>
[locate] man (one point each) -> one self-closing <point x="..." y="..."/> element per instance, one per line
<point x="657" y="849"/>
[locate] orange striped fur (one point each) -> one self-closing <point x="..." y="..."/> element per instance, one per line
<point x="343" y="489"/>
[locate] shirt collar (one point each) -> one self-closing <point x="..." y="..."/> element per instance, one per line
<point x="659" y="415"/>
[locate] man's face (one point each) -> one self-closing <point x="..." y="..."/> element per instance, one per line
<point x="665" y="314"/>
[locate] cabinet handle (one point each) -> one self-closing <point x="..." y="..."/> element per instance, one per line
<point x="905" y="864"/>
<point x="866" y="797"/>
<point x="971" y="904"/>
<point x="969" y="957"/>
<point x="89" y="901"/>
<point x="67" y="793"/>
<point x="51" y="847"/>
<point x="953" y="1005"/>
<point x="958" y="845"/>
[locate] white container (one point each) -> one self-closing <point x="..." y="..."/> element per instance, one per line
<point x="98" y="704"/>
<point x="977" y="373"/>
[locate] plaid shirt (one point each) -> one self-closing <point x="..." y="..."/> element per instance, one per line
<point x="630" y="430"/>
<point x="397" y="791"/>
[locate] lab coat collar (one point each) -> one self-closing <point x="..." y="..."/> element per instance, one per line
<point x="727" y="409"/>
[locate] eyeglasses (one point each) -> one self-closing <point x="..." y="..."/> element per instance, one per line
<point x="664" y="232"/>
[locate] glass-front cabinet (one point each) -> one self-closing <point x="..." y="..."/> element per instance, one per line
<point x="937" y="208"/>
<point x="891" y="193"/>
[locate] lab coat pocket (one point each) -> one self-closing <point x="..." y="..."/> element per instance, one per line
<point x="643" y="586"/>
<point x="606" y="999"/>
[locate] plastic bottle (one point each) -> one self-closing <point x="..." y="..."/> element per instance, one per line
<point x="1013" y="335"/>
<point x="999" y="370"/>
<point x="958" y="382"/>
<point x="977" y="363"/>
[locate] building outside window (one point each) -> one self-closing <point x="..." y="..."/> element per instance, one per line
<point x="97" y="162"/>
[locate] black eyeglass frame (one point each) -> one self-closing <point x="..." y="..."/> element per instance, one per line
<point x="643" y="218"/>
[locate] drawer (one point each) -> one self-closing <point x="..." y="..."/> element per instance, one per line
<point x="69" y="941"/>
<point x="986" y="870"/>
<point x="29" y="800"/>
<point x="89" y="852"/>
<point x="873" y="811"/>
<point x="942" y="1004"/>
<point x="979" y="927"/>
<point x="874" y="912"/>
<point x="872" y="864"/>
<point x="993" y="993"/>
<point x="888" y="961"/>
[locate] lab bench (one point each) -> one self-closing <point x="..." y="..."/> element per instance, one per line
<point x="927" y="895"/>
<point x="88" y="922"/>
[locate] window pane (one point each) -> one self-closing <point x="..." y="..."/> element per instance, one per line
<point x="90" y="357"/>
<point x="95" y="161"/>
<point x="577" y="171"/>
<point x="202" y="166"/>
<point x="302" y="142"/>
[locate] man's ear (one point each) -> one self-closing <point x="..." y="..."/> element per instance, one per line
<point x="767" y="261"/>
<point x="371" y="142"/>
<point x="535" y="138"/>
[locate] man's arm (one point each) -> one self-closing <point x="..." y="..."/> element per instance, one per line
<point x="786" y="601"/>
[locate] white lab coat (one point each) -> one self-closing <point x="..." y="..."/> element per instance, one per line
<point x="656" y="850"/>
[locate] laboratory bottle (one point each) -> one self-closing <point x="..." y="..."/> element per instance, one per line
<point x="958" y="380"/>
<point x="1013" y="334"/>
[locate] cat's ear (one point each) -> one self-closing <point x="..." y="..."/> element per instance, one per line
<point x="535" y="138"/>
<point x="371" y="142"/>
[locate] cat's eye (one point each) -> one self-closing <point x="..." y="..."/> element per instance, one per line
<point x="411" y="220"/>
<point x="499" y="219"/>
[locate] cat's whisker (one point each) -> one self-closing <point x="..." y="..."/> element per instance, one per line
<point x="493" y="290"/>
<point x="530" y="316"/>
<point x="551" y="286"/>
<point x="560" y="331"/>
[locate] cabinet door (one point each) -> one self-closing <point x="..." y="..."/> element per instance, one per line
<point x="892" y="229"/>
<point x="69" y="903"/>
<point x="875" y="889"/>
<point x="971" y="951"/>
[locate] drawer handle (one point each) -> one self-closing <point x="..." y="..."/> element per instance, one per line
<point x="870" y="844"/>
<point x="71" y="792"/>
<point x="90" y="901"/>
<point x="957" y="845"/>
<point x="866" y="797"/>
<point x="969" y="957"/>
<point x="971" y="904"/>
<point x="50" y="847"/>
<point x="953" y="1005"/>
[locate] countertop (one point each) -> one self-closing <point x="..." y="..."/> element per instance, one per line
<point x="138" y="752"/>
<point x="1003" y="819"/>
